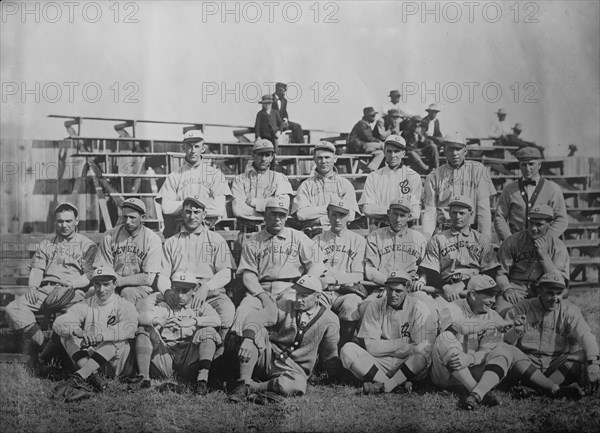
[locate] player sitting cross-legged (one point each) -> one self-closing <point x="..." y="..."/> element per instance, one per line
<point x="180" y="342"/>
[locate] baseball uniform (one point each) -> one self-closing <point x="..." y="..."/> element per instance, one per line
<point x="71" y="260"/>
<point x="472" y="180"/>
<point x="516" y="200"/>
<point x="386" y="184"/>
<point x="135" y="257"/>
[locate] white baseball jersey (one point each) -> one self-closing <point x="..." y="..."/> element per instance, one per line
<point x="388" y="251"/>
<point x="344" y="252"/>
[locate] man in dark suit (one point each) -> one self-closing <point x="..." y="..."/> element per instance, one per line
<point x="280" y="104"/>
<point x="268" y="123"/>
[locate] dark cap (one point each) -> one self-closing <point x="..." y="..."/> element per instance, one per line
<point x="528" y="154"/>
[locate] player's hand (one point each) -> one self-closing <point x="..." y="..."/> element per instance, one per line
<point x="91" y="339"/>
<point x="78" y="332"/>
<point x="416" y="286"/>
<point x="32" y="295"/>
<point x="504" y="325"/>
<point x="541" y="246"/>
<point x="246" y="349"/>
<point x="171" y="299"/>
<point x="593" y="378"/>
<point x="513" y="296"/>
<point x="458" y="361"/>
<point x="452" y="291"/>
<point x="198" y="297"/>
<point x="265" y="299"/>
<point x="423" y="348"/>
<point x="181" y="322"/>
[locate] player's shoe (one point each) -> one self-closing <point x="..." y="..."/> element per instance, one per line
<point x="570" y="392"/>
<point x="469" y="402"/>
<point x="201" y="388"/>
<point x="521" y="392"/>
<point x="98" y="382"/>
<point x="373" y="388"/>
<point x="239" y="393"/>
<point x="491" y="399"/>
<point x="138" y="382"/>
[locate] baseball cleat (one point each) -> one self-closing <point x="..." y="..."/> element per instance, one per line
<point x="469" y="402"/>
<point x="373" y="388"/>
<point x="98" y="382"/>
<point x="201" y="388"/>
<point x="78" y="382"/>
<point x="570" y="392"/>
<point x="138" y="382"/>
<point x="240" y="392"/>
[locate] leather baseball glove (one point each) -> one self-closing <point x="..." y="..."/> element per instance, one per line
<point x="355" y="288"/>
<point x="59" y="297"/>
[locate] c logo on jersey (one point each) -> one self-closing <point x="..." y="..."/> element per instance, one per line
<point x="111" y="320"/>
<point x="404" y="188"/>
<point x="404" y="331"/>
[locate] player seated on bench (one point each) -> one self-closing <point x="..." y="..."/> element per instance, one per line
<point x="177" y="341"/>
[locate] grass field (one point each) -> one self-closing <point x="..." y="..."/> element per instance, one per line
<point x="26" y="406"/>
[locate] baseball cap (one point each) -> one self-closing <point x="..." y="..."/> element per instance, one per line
<point x="433" y="107"/>
<point x="281" y="203"/>
<point x="308" y="284"/>
<point x="480" y="283"/>
<point x="65" y="205"/>
<point x="192" y="136"/>
<point x="396" y="140"/>
<point x="184" y="280"/>
<point x="394" y="92"/>
<point x="455" y="139"/>
<point x="552" y="279"/>
<point x="340" y="204"/>
<point x="398" y="277"/>
<point x="528" y="154"/>
<point x="103" y="273"/>
<point x="263" y="145"/>
<point x="195" y="200"/>
<point x="403" y="202"/>
<point x="501" y="111"/>
<point x="461" y="201"/>
<point x="367" y="111"/>
<point x="542" y="211"/>
<point x="324" y="145"/>
<point x="136" y="204"/>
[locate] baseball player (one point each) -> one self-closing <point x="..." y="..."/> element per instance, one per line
<point x="554" y="335"/>
<point x="344" y="253"/>
<point x="398" y="332"/>
<point x="457" y="177"/>
<point x="273" y="259"/>
<point x="65" y="261"/>
<point x="283" y="357"/>
<point x="469" y="353"/>
<point x="203" y="253"/>
<point x="390" y="182"/>
<point x="178" y="341"/>
<point x="526" y="255"/>
<point x="393" y="248"/>
<point x="316" y="192"/>
<point x="133" y="251"/>
<point x="94" y="332"/>
<point x="455" y="255"/>
<point x="195" y="178"/>
<point x="531" y="190"/>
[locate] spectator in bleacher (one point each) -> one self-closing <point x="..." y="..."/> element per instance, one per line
<point x="388" y="124"/>
<point x="390" y="182"/>
<point x="527" y="255"/>
<point x="457" y="177"/>
<point x="422" y="153"/>
<point x="316" y="192"/>
<point x="431" y="125"/>
<point x="195" y="178"/>
<point x="133" y="251"/>
<point x="394" y="248"/>
<point x="514" y="139"/>
<point x="344" y="253"/>
<point x="268" y="124"/>
<point x="394" y="103"/>
<point x="500" y="128"/>
<point x="280" y="104"/>
<point x="68" y="259"/>
<point x="361" y="139"/>
<point x="518" y="198"/>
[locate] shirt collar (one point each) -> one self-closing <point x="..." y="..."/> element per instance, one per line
<point x="399" y="233"/>
<point x="282" y="234"/>
<point x="465" y="232"/>
<point x="61" y="238"/>
<point x="135" y="233"/>
<point x="332" y="173"/>
<point x="198" y="231"/>
<point x="199" y="162"/>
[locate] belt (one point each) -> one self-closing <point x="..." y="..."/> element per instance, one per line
<point x="283" y="280"/>
<point x="50" y="283"/>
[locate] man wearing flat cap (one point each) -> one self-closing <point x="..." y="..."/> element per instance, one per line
<point x="66" y="260"/>
<point x="268" y="124"/>
<point x="195" y="177"/>
<point x="527" y="255"/>
<point x="316" y="192"/>
<point x="469" y="354"/>
<point x="273" y="259"/>
<point x="552" y="332"/>
<point x="133" y="251"/>
<point x="531" y="190"/>
<point x="282" y="342"/>
<point x="396" y="336"/>
<point x="391" y="182"/>
<point x="361" y="139"/>
<point x="344" y="253"/>
<point x="457" y="177"/>
<point x="280" y="104"/>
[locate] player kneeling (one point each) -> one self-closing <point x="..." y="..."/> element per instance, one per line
<point x="300" y="331"/>
<point x="180" y="342"/>
<point x="398" y="331"/>
<point x="94" y="333"/>
<point x="469" y="354"/>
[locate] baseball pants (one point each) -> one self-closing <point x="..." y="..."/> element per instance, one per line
<point x="113" y="352"/>
<point x="345" y="306"/>
<point x="134" y="293"/>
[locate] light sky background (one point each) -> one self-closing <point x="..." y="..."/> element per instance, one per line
<point x="175" y="51"/>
